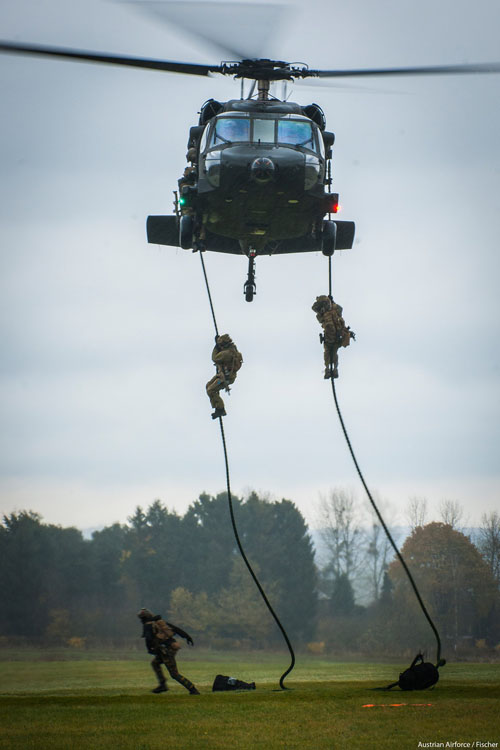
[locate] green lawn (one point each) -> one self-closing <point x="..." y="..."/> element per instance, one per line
<point x="97" y="703"/>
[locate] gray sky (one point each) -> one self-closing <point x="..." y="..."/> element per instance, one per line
<point x="106" y="340"/>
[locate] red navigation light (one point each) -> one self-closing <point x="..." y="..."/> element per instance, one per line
<point x="332" y="203"/>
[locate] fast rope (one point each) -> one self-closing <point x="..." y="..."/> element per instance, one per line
<point x="379" y="516"/>
<point x="233" y="520"/>
<point x="208" y="292"/>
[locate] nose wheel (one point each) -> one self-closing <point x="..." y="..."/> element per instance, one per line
<point x="249" y="287"/>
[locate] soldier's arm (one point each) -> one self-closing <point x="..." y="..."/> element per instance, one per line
<point x="182" y="633"/>
<point x="223" y="357"/>
<point x="148" y="635"/>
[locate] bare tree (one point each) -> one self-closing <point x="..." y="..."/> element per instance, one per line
<point x="341" y="533"/>
<point x="452" y="513"/>
<point x="488" y="542"/>
<point x="378" y="555"/>
<point x="417" y="512"/>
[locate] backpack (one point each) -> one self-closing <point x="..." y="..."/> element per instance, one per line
<point x="164" y="635"/>
<point x="421" y="675"/>
<point x="222" y="682"/>
<point x="237" y="362"/>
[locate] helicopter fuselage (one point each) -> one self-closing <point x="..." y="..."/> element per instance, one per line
<point x="257" y="206"/>
<point x="257" y="183"/>
<point x="260" y="176"/>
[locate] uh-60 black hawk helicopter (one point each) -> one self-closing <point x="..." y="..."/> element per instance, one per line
<point x="259" y="177"/>
<point x="258" y="180"/>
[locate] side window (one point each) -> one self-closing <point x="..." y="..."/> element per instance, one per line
<point x="204" y="139"/>
<point x="263" y="131"/>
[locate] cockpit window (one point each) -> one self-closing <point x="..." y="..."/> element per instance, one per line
<point x="231" y="130"/>
<point x="263" y="131"/>
<point x="289" y="132"/>
<point x="296" y="133"/>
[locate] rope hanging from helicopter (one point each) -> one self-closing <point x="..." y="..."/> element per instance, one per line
<point x="374" y="505"/>
<point x="233" y="520"/>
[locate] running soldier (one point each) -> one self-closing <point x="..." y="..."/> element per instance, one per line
<point x="335" y="332"/>
<point x="228" y="361"/>
<point x="160" y="641"/>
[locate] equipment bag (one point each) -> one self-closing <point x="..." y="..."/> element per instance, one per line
<point x="222" y="682"/>
<point x="421" y="675"/>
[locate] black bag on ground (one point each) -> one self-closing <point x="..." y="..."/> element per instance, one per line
<point x="222" y="682"/>
<point x="421" y="675"/>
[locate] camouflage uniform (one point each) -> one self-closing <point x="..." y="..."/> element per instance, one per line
<point x="160" y="641"/>
<point x="228" y="361"/>
<point x="335" y="332"/>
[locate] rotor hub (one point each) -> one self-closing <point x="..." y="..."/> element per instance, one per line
<point x="265" y="70"/>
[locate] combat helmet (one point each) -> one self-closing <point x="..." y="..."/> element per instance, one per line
<point x="322" y="304"/>
<point x="145" y="614"/>
<point x="224" y="341"/>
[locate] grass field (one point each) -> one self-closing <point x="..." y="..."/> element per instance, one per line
<point x="105" y="703"/>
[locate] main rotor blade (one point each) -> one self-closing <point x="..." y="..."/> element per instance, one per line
<point x="241" y="30"/>
<point x="432" y="70"/>
<point x="94" y="57"/>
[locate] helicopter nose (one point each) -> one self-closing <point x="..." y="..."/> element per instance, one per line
<point x="262" y="169"/>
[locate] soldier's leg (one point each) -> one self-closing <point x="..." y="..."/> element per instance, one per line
<point x="171" y="665"/>
<point x="156" y="667"/>
<point x="328" y="359"/>
<point x="213" y="387"/>
<point x="331" y="359"/>
<point x="335" y="361"/>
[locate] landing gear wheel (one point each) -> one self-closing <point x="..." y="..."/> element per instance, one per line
<point x="186" y="232"/>
<point x="329" y="238"/>
<point x="249" y="290"/>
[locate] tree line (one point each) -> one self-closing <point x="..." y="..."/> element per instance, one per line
<point x="59" y="588"/>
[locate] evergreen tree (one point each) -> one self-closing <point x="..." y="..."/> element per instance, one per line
<point x="276" y="538"/>
<point x="44" y="569"/>
<point x="212" y="547"/>
<point x="342" y="597"/>
<point x="155" y="551"/>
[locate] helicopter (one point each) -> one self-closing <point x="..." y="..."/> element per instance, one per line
<point x="258" y="180"/>
<point x="259" y="177"/>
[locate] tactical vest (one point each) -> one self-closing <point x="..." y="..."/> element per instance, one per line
<point x="162" y="632"/>
<point x="230" y="368"/>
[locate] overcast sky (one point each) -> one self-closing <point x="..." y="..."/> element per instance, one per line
<point x="106" y="340"/>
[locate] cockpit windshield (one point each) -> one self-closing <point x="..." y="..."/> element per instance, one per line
<point x="231" y="130"/>
<point x="296" y="133"/>
<point x="275" y="131"/>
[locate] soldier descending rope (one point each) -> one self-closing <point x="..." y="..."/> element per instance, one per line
<point x="335" y="332"/>
<point x="160" y="642"/>
<point x="228" y="361"/>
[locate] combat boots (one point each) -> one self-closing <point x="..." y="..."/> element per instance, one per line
<point x="162" y="688"/>
<point x="329" y="372"/>
<point x="194" y="691"/>
<point x="219" y="413"/>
